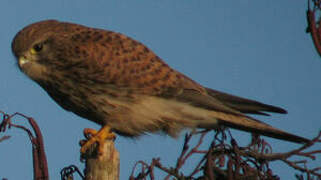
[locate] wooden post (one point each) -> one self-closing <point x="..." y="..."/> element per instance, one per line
<point x="104" y="166"/>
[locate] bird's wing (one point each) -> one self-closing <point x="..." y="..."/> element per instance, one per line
<point x="130" y="65"/>
<point x="244" y="105"/>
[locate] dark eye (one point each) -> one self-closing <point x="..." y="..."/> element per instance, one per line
<point x="38" y="47"/>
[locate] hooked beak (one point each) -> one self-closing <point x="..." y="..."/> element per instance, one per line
<point x="22" y="60"/>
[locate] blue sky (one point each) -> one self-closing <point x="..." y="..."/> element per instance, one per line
<point x="256" y="49"/>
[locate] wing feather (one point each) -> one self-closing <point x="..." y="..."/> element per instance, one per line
<point x="244" y="105"/>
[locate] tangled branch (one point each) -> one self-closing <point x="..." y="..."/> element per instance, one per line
<point x="67" y="172"/>
<point x="39" y="157"/>
<point x="223" y="160"/>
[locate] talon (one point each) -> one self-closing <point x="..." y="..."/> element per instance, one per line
<point x="99" y="137"/>
<point x="88" y="133"/>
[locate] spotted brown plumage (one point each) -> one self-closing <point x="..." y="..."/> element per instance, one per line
<point x="117" y="82"/>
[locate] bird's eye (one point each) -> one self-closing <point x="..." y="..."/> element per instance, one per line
<point x="37" y="48"/>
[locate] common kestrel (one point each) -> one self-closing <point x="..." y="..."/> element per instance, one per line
<point x="117" y="82"/>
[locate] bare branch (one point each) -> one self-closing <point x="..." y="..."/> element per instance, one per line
<point x="225" y="160"/>
<point x="38" y="152"/>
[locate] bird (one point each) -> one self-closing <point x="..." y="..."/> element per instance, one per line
<point x="119" y="83"/>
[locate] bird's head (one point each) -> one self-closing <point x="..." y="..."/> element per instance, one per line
<point x="42" y="47"/>
<point x="32" y="47"/>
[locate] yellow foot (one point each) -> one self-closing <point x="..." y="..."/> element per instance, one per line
<point x="94" y="136"/>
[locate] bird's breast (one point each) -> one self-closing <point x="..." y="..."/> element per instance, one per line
<point x="93" y="101"/>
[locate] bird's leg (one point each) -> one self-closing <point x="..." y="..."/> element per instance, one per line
<point x="94" y="136"/>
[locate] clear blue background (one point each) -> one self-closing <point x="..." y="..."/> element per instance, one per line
<point x="256" y="49"/>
